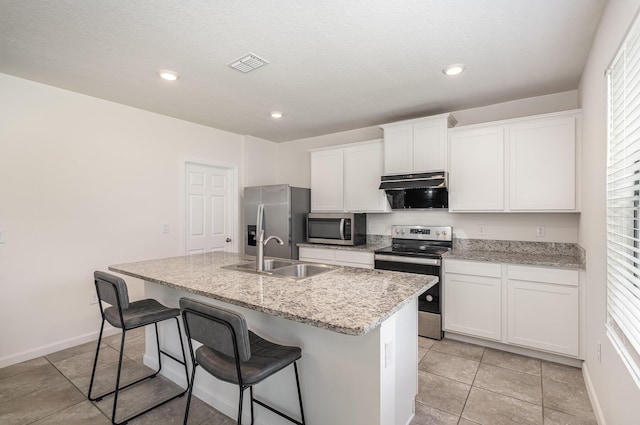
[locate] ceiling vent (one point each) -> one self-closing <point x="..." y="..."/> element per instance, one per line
<point x="248" y="63"/>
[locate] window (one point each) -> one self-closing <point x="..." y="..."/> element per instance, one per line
<point x="623" y="203"/>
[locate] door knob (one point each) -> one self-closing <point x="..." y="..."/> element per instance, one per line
<point x="228" y="239"/>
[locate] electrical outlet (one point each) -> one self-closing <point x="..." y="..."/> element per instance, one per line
<point x="481" y="231"/>
<point x="540" y="231"/>
<point x="93" y="297"/>
<point x="165" y="228"/>
<point x="1" y="235"/>
<point x="599" y="351"/>
<point x="388" y="354"/>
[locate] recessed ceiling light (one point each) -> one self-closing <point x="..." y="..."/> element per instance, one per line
<point x="454" y="69"/>
<point x="276" y="114"/>
<point x="168" y="75"/>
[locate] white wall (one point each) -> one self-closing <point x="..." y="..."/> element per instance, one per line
<point x="294" y="169"/>
<point x="84" y="183"/>
<point x="261" y="161"/>
<point x="617" y="396"/>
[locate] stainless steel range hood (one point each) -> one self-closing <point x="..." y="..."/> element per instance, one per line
<point x="416" y="191"/>
<point x="414" y="181"/>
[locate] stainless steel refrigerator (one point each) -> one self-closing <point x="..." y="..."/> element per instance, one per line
<point x="285" y="212"/>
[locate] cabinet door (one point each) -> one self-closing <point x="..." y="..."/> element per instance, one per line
<point x="363" y="166"/>
<point x="430" y="145"/>
<point x="473" y="305"/>
<point x="476" y="169"/>
<point x="317" y="255"/>
<point x="398" y="149"/>
<point x="354" y="259"/>
<point x="327" y="180"/>
<point x="542" y="161"/>
<point x="543" y="316"/>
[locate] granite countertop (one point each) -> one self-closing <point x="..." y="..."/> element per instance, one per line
<point x="348" y="300"/>
<point x="561" y="255"/>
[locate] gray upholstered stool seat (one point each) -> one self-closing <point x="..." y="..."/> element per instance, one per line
<point x="266" y="359"/>
<point x="127" y="315"/>
<point x="140" y="313"/>
<point x="232" y="353"/>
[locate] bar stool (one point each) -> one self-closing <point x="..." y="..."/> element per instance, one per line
<point x="127" y="316"/>
<point x="232" y="353"/>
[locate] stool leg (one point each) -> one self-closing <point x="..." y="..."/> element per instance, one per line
<point x="251" y="393"/>
<point x="295" y="368"/>
<point x="184" y="357"/>
<point x="240" y="406"/>
<point x="115" y="394"/>
<point x="95" y="360"/>
<point x="190" y="392"/>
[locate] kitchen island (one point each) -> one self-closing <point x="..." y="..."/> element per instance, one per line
<point x="357" y="329"/>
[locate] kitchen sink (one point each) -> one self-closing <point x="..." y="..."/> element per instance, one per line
<point x="283" y="268"/>
<point x="301" y="271"/>
<point x="269" y="264"/>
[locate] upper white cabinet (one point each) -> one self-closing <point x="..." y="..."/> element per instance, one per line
<point x="418" y="145"/>
<point x="526" y="164"/>
<point x="347" y="178"/>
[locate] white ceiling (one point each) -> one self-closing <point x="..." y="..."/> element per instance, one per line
<point x="335" y="65"/>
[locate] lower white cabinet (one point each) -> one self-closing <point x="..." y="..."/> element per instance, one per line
<point x="337" y="257"/>
<point x="543" y="309"/>
<point x="473" y="299"/>
<point x="528" y="306"/>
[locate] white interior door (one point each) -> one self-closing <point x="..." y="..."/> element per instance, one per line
<point x="209" y="208"/>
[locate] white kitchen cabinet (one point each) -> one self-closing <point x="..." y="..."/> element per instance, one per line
<point x="363" y="165"/>
<point x="327" y="180"/>
<point x="418" y="145"/>
<point x="473" y="298"/>
<point x="521" y="165"/>
<point x="346" y="178"/>
<point x="542" y="164"/>
<point x="476" y="169"/>
<point x="337" y="257"/>
<point x="543" y="309"/>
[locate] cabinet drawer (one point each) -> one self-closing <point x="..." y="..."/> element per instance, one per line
<point x="317" y="254"/>
<point x="355" y="258"/>
<point x="544" y="275"/>
<point x="473" y="268"/>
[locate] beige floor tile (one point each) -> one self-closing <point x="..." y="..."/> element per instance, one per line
<point x="22" y="367"/>
<point x="565" y="397"/>
<point x="105" y="379"/>
<point x="511" y="383"/>
<point x="464" y="421"/>
<point x="426" y="415"/>
<point x="83" y="413"/>
<point x="512" y="361"/>
<point x="39" y="404"/>
<point x="30" y="380"/>
<point x="562" y="373"/>
<point x="488" y="408"/>
<point x="172" y="413"/>
<point x="449" y="366"/>
<point x="459" y="348"/>
<point x="421" y="353"/>
<point x="89" y="347"/>
<point x="425" y="342"/>
<point x="442" y="393"/>
<point x="552" y="417"/>
<point x="83" y="363"/>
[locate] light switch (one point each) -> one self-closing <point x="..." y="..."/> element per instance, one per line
<point x="1" y="235"/>
<point x="165" y="228"/>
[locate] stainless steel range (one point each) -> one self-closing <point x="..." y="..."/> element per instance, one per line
<point x="419" y="249"/>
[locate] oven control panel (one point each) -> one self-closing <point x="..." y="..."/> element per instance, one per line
<point x="426" y="233"/>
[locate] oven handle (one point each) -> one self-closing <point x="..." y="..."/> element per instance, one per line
<point x="412" y="260"/>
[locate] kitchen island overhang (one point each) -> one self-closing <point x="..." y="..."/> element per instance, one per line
<point x="357" y="329"/>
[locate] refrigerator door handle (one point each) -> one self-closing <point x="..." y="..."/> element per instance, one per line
<point x="259" y="219"/>
<point x="342" y="228"/>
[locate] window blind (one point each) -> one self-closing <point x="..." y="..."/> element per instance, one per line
<point x="623" y="202"/>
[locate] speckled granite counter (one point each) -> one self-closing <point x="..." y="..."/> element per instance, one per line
<point x="547" y="254"/>
<point x="348" y="300"/>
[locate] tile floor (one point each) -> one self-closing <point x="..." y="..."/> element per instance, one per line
<point x="465" y="384"/>
<point x="459" y="384"/>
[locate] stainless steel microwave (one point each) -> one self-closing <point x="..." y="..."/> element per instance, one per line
<point x="337" y="229"/>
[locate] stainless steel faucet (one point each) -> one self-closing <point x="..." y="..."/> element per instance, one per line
<point x="260" y="241"/>
<point x="260" y="244"/>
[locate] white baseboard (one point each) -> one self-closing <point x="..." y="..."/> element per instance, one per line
<point x="593" y="396"/>
<point x="43" y="350"/>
